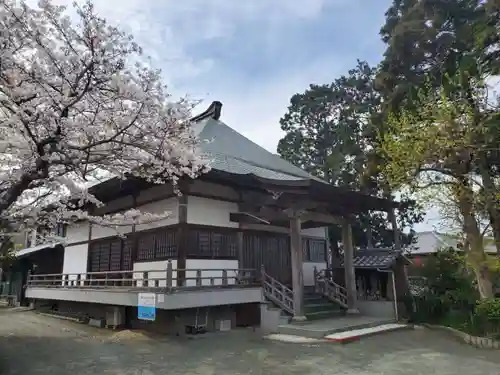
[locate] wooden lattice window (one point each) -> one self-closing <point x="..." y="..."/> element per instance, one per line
<point x="115" y="255"/>
<point x="94" y="254"/>
<point x="104" y="262"/>
<point x="314" y="249"/>
<point x="106" y="255"/>
<point x="158" y="244"/>
<point x="146" y="246"/>
<point x="208" y="243"/>
<point x="128" y="244"/>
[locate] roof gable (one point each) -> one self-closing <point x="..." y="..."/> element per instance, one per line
<point x="374" y="258"/>
<point x="230" y="151"/>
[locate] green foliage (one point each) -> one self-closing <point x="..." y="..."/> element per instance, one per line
<point x="449" y="280"/>
<point x="434" y="39"/>
<point x="331" y="132"/>
<point x="489" y="309"/>
<point x="451" y="298"/>
<point x="427" y="43"/>
<point x="486" y="319"/>
<point x="449" y="292"/>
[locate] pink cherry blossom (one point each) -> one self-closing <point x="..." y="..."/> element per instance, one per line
<point x="79" y="102"/>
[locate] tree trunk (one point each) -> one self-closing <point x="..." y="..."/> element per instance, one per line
<point x="391" y="214"/>
<point x="474" y="241"/>
<point x="492" y="203"/>
<point x="369" y="236"/>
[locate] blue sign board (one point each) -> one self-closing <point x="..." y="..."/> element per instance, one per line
<point x="146" y="306"/>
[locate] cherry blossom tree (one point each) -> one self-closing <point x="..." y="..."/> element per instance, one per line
<point x="77" y="102"/>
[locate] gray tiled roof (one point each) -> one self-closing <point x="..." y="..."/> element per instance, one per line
<point x="375" y="258"/>
<point x="229" y="151"/>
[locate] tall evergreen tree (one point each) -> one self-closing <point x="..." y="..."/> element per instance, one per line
<point x="330" y="132"/>
<point x="453" y="47"/>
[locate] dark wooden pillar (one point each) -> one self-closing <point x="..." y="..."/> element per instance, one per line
<point x="328" y="253"/>
<point x="182" y="235"/>
<point x="350" y="275"/>
<point x="89" y="243"/>
<point x="297" y="273"/>
<point x="239" y="248"/>
<point x="135" y="238"/>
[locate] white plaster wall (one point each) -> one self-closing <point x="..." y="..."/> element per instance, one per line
<point x="77" y="232"/>
<point x="209" y="268"/>
<point x="75" y="257"/>
<point x="308" y="271"/>
<point x="204" y="211"/>
<point x="169" y="205"/>
<point x="156" y="269"/>
<point x="75" y="261"/>
<point x="100" y="232"/>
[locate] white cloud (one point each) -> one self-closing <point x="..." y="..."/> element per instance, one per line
<point x="166" y="27"/>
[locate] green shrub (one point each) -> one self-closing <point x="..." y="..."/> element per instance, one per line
<point x="489" y="309"/>
<point x="449" y="296"/>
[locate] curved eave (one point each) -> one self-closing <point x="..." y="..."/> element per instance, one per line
<point x="317" y="190"/>
<point x="353" y="201"/>
<point x="31" y="250"/>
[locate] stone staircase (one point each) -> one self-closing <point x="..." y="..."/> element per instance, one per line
<point x="325" y="307"/>
<point x="325" y="303"/>
<point x="317" y="306"/>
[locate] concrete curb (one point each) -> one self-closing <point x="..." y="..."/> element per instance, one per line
<point x="478" y="342"/>
<point x="358" y="337"/>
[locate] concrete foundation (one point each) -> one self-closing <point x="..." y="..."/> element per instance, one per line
<point x="378" y="309"/>
<point x="167" y="321"/>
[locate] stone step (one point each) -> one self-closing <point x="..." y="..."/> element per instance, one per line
<point x="324" y="306"/>
<point x="308" y="289"/>
<point x="319" y="300"/>
<point x="324" y="314"/>
<point x="316" y="301"/>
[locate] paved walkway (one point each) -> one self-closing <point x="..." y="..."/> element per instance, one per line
<point x="31" y="344"/>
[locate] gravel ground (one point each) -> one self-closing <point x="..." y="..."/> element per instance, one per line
<point x="32" y="344"/>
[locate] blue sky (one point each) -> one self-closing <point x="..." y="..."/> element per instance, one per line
<point x="252" y="55"/>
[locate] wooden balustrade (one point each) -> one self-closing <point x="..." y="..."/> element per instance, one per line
<point x="324" y="284"/>
<point x="156" y="279"/>
<point x="277" y="292"/>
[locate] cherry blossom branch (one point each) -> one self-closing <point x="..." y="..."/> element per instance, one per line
<point x="76" y="100"/>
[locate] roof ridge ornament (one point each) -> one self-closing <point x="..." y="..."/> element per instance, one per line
<point x="275" y="194"/>
<point x="213" y="111"/>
